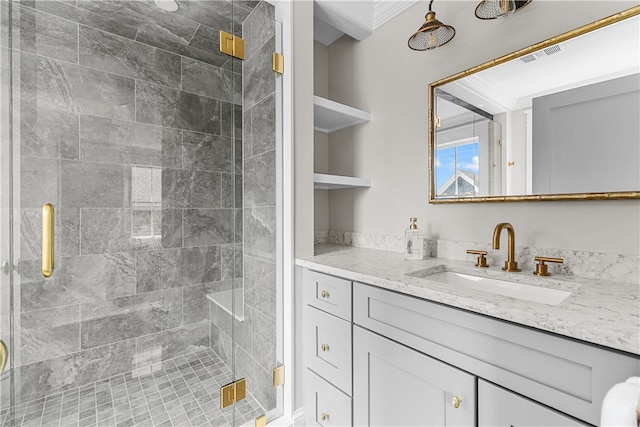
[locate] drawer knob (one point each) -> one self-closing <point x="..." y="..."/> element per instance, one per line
<point x="456" y="401"/>
<point x="324" y="416"/>
<point x="325" y="294"/>
<point x="325" y="347"/>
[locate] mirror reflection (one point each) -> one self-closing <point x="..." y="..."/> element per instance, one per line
<point x="563" y="119"/>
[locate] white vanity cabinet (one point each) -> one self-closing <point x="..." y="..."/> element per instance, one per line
<point x="394" y="385"/>
<point x="327" y="349"/>
<point x="416" y="362"/>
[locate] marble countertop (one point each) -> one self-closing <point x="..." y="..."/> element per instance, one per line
<point x="597" y="311"/>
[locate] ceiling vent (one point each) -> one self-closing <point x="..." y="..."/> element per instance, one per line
<point x="540" y="54"/>
<point x="552" y="49"/>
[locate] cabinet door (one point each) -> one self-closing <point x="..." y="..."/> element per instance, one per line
<point x="325" y="405"/>
<point x="394" y="385"/>
<point x="498" y="407"/>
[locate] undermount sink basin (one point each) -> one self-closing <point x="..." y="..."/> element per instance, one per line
<point x="500" y="287"/>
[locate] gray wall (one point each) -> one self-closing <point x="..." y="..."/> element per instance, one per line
<point x="125" y="116"/>
<point x="383" y="76"/>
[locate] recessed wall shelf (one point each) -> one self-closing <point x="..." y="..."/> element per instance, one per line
<point x="330" y="116"/>
<point x="323" y="181"/>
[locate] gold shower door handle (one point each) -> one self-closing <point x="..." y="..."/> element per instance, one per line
<point x="47" y="239"/>
<point x="4" y="356"/>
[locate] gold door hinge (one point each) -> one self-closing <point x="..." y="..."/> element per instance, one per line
<point x="261" y="421"/>
<point x="231" y="45"/>
<point x="437" y="121"/>
<point x="278" y="376"/>
<point x="233" y="393"/>
<point x="278" y="63"/>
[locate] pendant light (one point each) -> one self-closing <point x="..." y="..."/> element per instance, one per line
<point x="492" y="9"/>
<point x="432" y="34"/>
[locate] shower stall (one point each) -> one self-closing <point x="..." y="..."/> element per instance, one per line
<point x="141" y="213"/>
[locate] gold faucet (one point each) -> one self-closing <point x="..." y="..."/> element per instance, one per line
<point x="510" y="264"/>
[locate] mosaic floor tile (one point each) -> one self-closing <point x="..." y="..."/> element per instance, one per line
<point x="182" y="392"/>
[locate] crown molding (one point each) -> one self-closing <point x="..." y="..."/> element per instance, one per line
<point x="385" y="10"/>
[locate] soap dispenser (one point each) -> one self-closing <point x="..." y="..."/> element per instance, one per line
<point x="413" y="241"/>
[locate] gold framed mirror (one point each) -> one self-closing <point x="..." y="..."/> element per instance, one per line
<point x="558" y="120"/>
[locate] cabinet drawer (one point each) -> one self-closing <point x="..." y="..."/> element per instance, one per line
<point x="328" y="293"/>
<point x="564" y="374"/>
<point x="498" y="407"/>
<point x="328" y="347"/>
<point x="322" y="400"/>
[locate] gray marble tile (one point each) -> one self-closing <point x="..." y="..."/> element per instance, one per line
<point x="231" y="125"/>
<point x="259" y="27"/>
<point x="263" y="340"/>
<point x="38" y="182"/>
<point x="68" y="240"/>
<point x="95" y="185"/>
<point x="231" y="190"/>
<point x="172" y="343"/>
<point x="164" y="106"/>
<point x="247" y="136"/>
<point x="263" y="126"/>
<point x="117" y="141"/>
<point x="221" y="343"/>
<point x="40" y="379"/>
<point x="47" y="132"/>
<point x="260" y="232"/>
<point x="107" y="230"/>
<point x="182" y="46"/>
<point x="195" y="302"/>
<point x="240" y="330"/>
<point x="214" y="82"/>
<point x="163" y="269"/>
<point x="260" y="180"/>
<point x="215" y="14"/>
<point x="239" y="156"/>
<point x="260" y="284"/>
<point x="208" y="226"/>
<point x="119" y="55"/>
<point x="50" y="333"/>
<point x="190" y="189"/>
<point x="258" y="76"/>
<point x="239" y="220"/>
<point x="260" y="379"/>
<point x="206" y="39"/>
<point x="207" y="152"/>
<point x="43" y="34"/>
<point x="79" y="279"/>
<point x="231" y="261"/>
<point x="31" y="234"/>
<point x="70" y="12"/>
<point x="67" y="87"/>
<point x="145" y="16"/>
<point x="129" y="317"/>
<point x="200" y="264"/>
<point x="171" y="227"/>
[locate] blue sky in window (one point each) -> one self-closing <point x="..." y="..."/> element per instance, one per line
<point x="445" y="160"/>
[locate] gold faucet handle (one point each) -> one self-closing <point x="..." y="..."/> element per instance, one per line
<point x="482" y="260"/>
<point x="541" y="268"/>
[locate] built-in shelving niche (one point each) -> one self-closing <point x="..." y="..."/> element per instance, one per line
<point x="330" y="116"/>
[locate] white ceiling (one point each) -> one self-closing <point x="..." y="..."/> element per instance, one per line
<point x="607" y="53"/>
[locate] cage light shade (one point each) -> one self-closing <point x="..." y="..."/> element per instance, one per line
<point x="492" y="9"/>
<point x="432" y="34"/>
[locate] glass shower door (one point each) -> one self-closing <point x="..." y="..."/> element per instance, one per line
<point x="126" y="118"/>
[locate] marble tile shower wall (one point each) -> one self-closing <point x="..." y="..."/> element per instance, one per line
<point x="126" y="125"/>
<point x="255" y="352"/>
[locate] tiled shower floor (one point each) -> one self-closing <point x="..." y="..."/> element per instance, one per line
<point x="184" y="391"/>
